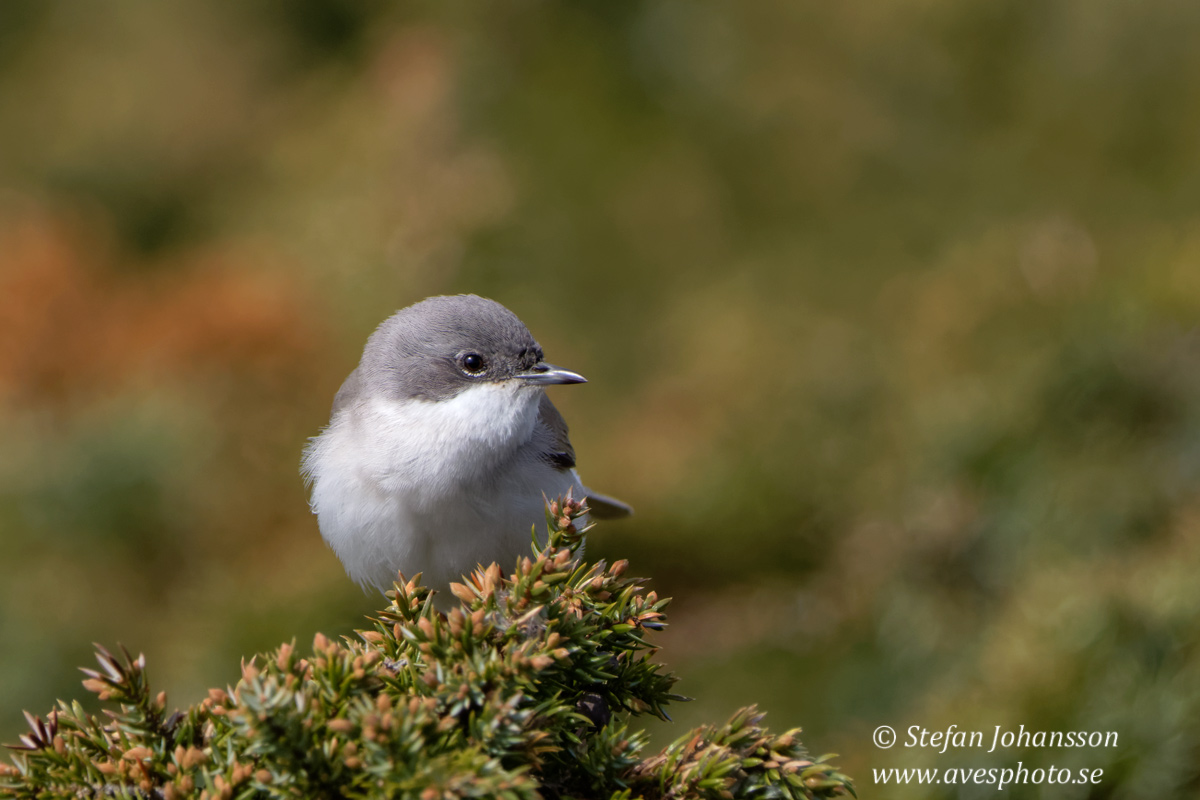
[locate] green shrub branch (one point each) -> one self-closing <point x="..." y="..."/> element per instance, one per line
<point x="525" y="689"/>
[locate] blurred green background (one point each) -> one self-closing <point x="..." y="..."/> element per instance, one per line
<point x="889" y="312"/>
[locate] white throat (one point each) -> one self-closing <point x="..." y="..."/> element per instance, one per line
<point x="432" y="483"/>
<point x="450" y="442"/>
<point x="436" y="446"/>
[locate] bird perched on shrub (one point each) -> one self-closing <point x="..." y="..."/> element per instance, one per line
<point x="442" y="446"/>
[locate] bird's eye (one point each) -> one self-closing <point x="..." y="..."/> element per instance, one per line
<point x="472" y="364"/>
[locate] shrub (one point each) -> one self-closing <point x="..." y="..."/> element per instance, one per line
<point x="525" y="689"/>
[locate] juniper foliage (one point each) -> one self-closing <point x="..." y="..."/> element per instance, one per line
<point x="526" y="689"/>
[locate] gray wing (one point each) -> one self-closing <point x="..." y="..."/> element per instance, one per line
<point x="561" y="455"/>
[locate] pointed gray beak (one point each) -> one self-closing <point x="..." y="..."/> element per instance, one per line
<point x="546" y="374"/>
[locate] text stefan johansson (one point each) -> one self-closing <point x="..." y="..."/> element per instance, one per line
<point x="957" y="739"/>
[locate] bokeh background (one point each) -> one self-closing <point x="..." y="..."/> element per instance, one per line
<point x="889" y="312"/>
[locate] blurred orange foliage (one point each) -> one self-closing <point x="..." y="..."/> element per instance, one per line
<point x="73" y="324"/>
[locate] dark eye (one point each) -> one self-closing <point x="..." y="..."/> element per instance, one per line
<point x="472" y="363"/>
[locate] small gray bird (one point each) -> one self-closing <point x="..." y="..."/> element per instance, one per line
<point x="442" y="446"/>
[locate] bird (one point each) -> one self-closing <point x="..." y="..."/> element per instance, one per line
<point x="443" y="447"/>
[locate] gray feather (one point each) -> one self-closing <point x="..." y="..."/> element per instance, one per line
<point x="604" y="507"/>
<point x="411" y="355"/>
<point x="559" y="452"/>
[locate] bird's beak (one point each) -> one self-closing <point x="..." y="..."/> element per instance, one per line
<point x="545" y="374"/>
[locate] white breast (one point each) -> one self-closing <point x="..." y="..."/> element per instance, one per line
<point x="432" y="486"/>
